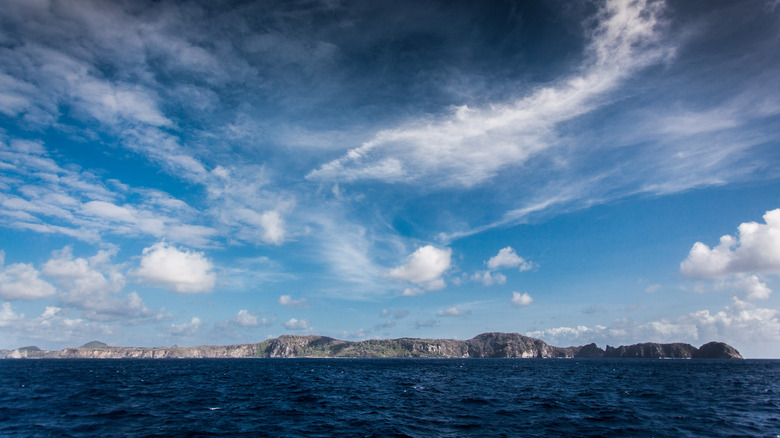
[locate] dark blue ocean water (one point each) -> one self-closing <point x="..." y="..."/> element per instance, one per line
<point x="389" y="397"/>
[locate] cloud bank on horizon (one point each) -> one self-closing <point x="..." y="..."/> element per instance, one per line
<point x="193" y="173"/>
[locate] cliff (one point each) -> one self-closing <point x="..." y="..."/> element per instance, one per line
<point x="486" y="345"/>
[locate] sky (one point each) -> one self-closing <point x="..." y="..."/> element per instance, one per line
<point x="192" y="172"/>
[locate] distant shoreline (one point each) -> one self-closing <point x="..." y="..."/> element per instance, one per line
<point x="486" y="345"/>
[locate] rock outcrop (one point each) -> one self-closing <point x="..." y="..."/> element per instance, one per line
<point x="650" y="350"/>
<point x="486" y="345"/>
<point x="717" y="350"/>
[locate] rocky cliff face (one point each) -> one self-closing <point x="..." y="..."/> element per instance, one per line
<point x="486" y="345"/>
<point x="717" y="350"/>
<point x="652" y="350"/>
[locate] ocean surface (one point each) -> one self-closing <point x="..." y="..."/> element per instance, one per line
<point x="389" y="397"/>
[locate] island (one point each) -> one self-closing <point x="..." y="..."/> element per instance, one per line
<point x="486" y="345"/>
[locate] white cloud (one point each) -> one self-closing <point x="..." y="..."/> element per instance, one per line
<point x="181" y="271"/>
<point x="245" y="319"/>
<point x="740" y="324"/>
<point x="270" y="222"/>
<point x="7" y="315"/>
<point x="297" y="324"/>
<point x="51" y="327"/>
<point x="471" y="145"/>
<point x="412" y="292"/>
<point x="521" y="300"/>
<point x="653" y="288"/>
<point x="424" y="267"/>
<point x="94" y="286"/>
<point x="273" y="227"/>
<point x="752" y="286"/>
<point x="44" y="197"/>
<point x="454" y="311"/>
<point x="756" y="248"/>
<point x="508" y="258"/>
<point x="287" y="300"/>
<point x="488" y="278"/>
<point x="186" y="328"/>
<point x="21" y="281"/>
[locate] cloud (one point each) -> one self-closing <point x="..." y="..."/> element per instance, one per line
<point x="297" y="324"/>
<point x="245" y="319"/>
<point x="287" y="300"/>
<point x="21" y="281"/>
<point x="412" y="292"/>
<point x="453" y="311"/>
<point x="94" y="285"/>
<point x="52" y="327"/>
<point x="425" y="323"/>
<point x="400" y="314"/>
<point x="756" y="248"/>
<point x="424" y="267"/>
<point x="181" y="271"/>
<point x="751" y="286"/>
<point x="44" y="197"/>
<point x="521" y="300"/>
<point x="7" y="315"/>
<point x="397" y="314"/>
<point x="653" y="288"/>
<point x="508" y="258"/>
<point x="186" y="328"/>
<point x="488" y="278"/>
<point x="472" y="145"/>
<point x="740" y="324"/>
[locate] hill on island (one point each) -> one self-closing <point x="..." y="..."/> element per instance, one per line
<point x="486" y="345"/>
<point x="94" y="344"/>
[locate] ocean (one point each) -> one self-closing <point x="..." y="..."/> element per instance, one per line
<point x="389" y="397"/>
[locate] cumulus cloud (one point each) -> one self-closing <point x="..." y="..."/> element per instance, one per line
<point x="21" y="281"/>
<point x="751" y="286"/>
<point x="741" y="324"/>
<point x="94" y="285"/>
<point x="181" y="271"/>
<point x="424" y="267"/>
<point x="52" y="326"/>
<point x="297" y="324"/>
<point x="521" y="299"/>
<point x="186" y="328"/>
<point x="245" y="319"/>
<point x="508" y="258"/>
<point x="7" y="315"/>
<point x="488" y="278"/>
<point x="287" y="300"/>
<point x="755" y="249"/>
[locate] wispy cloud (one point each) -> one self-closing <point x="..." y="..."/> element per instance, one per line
<point x="472" y="145"/>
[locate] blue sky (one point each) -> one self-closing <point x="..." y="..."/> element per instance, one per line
<point x="190" y="173"/>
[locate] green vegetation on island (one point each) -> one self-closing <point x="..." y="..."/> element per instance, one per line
<point x="486" y="345"/>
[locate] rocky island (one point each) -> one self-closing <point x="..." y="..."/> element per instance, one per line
<point x="486" y="345"/>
